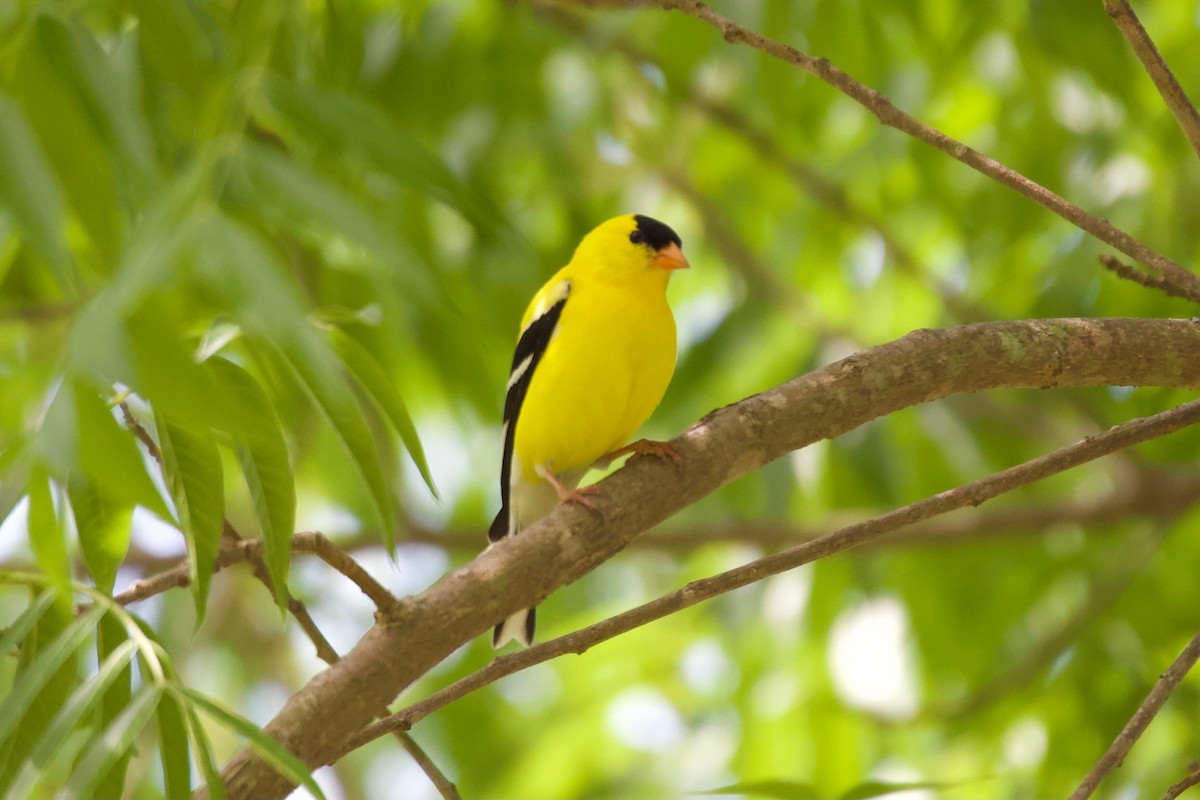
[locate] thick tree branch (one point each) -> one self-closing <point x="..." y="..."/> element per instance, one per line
<point x="887" y="113"/>
<point x="521" y="571"/>
<point x="971" y="494"/>
<point x="1115" y="755"/>
<point x="1164" y="80"/>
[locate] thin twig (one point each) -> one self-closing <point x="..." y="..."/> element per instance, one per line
<point x="816" y="185"/>
<point x="447" y="789"/>
<point x="320" y="545"/>
<point x="970" y="494"/>
<point x="888" y="114"/>
<point x="1144" y="494"/>
<point x="140" y="432"/>
<point x="1177" y="789"/>
<point x="1115" y="755"/>
<point x="1164" y="80"/>
<point x="1122" y="270"/>
<point x="238" y="550"/>
<point x="316" y="543"/>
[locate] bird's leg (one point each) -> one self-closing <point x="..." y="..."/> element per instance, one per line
<point x="565" y="493"/>
<point x="642" y="447"/>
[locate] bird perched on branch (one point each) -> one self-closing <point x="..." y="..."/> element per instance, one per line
<point x="595" y="355"/>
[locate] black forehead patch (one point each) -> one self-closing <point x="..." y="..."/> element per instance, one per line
<point x="656" y="234"/>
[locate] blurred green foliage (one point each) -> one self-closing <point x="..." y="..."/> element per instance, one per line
<point x="287" y="238"/>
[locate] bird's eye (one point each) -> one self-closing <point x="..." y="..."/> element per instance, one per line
<point x="637" y="237"/>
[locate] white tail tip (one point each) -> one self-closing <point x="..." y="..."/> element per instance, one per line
<point x="517" y="628"/>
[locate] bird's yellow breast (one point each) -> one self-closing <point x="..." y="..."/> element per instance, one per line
<point x="602" y="375"/>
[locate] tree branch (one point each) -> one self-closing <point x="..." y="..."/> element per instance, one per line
<point x="970" y="494"/>
<point x="236" y="551"/>
<point x="1115" y="755"/>
<point x="887" y="113"/>
<point x="521" y="571"/>
<point x="1164" y="80"/>
<point x="1122" y="270"/>
<point x="820" y="188"/>
<point x="1177" y="789"/>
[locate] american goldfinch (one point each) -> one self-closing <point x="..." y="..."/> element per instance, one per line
<point x="594" y="357"/>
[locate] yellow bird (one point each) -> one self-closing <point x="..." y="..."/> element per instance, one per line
<point x="594" y="357"/>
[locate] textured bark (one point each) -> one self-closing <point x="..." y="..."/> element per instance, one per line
<point x="518" y="573"/>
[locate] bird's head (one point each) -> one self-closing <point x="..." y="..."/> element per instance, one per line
<point x="630" y="245"/>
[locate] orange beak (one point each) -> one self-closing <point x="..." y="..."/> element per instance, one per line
<point x="671" y="257"/>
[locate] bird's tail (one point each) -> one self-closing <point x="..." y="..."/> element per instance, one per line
<point x="519" y="627"/>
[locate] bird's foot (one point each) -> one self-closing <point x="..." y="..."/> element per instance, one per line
<point x="643" y="447"/>
<point x="566" y="494"/>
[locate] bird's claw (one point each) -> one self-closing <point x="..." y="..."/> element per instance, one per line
<point x="566" y="494"/>
<point x="645" y="447"/>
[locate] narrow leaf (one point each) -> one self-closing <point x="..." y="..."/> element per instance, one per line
<point x="173" y="747"/>
<point x="318" y="371"/>
<point x="348" y="124"/>
<point x="263" y="455"/>
<point x="201" y="746"/>
<point x="288" y="192"/>
<point x="47" y="672"/>
<point x="47" y="538"/>
<point x="104" y="529"/>
<point x="375" y="384"/>
<point x="29" y="189"/>
<point x="192" y="465"/>
<point x="108" y="96"/>
<point x="870" y="789"/>
<point x="286" y="763"/>
<point x="109" y="455"/>
<point x="776" y="790"/>
<point x="67" y="721"/>
<point x="40" y="671"/>
<point x="112" y="744"/>
<point x="14" y="635"/>
<point x="110" y="636"/>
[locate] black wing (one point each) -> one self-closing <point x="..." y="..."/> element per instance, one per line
<point x="530" y="349"/>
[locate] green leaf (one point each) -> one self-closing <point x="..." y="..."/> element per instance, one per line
<point x="111" y="635"/>
<point x="81" y="435"/>
<point x="201" y="746"/>
<point x="319" y="372"/>
<point x="288" y="193"/>
<point x="112" y="744"/>
<point x="374" y="382"/>
<point x="272" y="751"/>
<point x="109" y="455"/>
<point x="41" y="669"/>
<point x="778" y="790"/>
<point x="343" y="123"/>
<point x="235" y="263"/>
<point x="47" y="537"/>
<point x="168" y="374"/>
<point x="869" y="789"/>
<point x="13" y="636"/>
<point x="173" y="747"/>
<point x="47" y="672"/>
<point x="192" y="465"/>
<point x="104" y="529"/>
<point x="109" y="99"/>
<point x="67" y="722"/>
<point x="29" y="189"/>
<point x="266" y="464"/>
